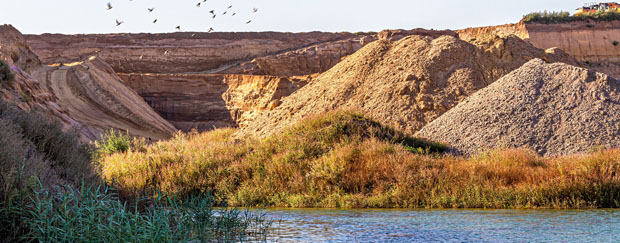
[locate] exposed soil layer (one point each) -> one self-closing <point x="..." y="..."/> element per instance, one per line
<point x="205" y="101"/>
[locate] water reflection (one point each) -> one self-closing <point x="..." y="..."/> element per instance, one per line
<point x="312" y="225"/>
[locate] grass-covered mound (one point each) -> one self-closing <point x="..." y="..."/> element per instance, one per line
<point x="339" y="159"/>
<point x="546" y="17"/>
<point x="344" y="160"/>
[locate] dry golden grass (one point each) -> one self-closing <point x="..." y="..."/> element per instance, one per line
<point x="344" y="160"/>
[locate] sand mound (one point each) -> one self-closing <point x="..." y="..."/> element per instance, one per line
<point x="552" y="108"/>
<point x="405" y="83"/>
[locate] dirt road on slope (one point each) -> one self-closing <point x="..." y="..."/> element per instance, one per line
<point x="93" y="95"/>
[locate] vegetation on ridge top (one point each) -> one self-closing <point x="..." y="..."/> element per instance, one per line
<point x="546" y="17"/>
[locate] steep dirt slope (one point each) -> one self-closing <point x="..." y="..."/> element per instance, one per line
<point x="25" y="91"/>
<point x="172" y="52"/>
<point x="405" y="83"/>
<point x="552" y="108"/>
<point x="92" y="94"/>
<point x="205" y="101"/>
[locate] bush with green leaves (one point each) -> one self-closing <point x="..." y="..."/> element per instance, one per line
<point x="113" y="142"/>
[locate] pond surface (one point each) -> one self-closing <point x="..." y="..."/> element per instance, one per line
<point x="323" y="225"/>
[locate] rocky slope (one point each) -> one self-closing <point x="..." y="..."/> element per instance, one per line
<point x="205" y="101"/>
<point x="551" y="108"/>
<point x="86" y="95"/>
<point x="405" y="83"/>
<point x="173" y="52"/>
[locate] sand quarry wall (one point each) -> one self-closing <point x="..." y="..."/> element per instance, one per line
<point x="587" y="41"/>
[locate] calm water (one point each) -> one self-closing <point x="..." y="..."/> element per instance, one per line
<point x="445" y="225"/>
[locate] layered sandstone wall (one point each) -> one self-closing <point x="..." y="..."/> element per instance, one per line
<point x="321" y="57"/>
<point x="596" y="45"/>
<point x="205" y="101"/>
<point x="173" y="52"/>
<point x="586" y="41"/>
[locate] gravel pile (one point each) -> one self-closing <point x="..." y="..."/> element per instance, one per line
<point x="554" y="109"/>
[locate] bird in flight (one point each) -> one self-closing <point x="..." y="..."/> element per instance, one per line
<point x="166" y="52"/>
<point x="198" y="4"/>
<point x="109" y="6"/>
<point x="178" y="27"/>
<point x="229" y="7"/>
<point x="119" y="22"/>
<point x="250" y="21"/>
<point x="255" y="10"/>
<point x="151" y="9"/>
<point x="224" y="13"/>
<point x="210" y="30"/>
<point x="155" y="21"/>
<point x="234" y="14"/>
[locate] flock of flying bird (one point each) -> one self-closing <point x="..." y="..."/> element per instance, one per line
<point x="212" y="12"/>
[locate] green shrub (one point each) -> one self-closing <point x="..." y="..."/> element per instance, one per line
<point x="113" y="142"/>
<point x="5" y="72"/>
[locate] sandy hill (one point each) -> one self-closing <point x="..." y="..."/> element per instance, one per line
<point x="551" y="108"/>
<point x="86" y="94"/>
<point x="405" y="83"/>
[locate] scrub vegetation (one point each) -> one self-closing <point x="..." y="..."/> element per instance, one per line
<point x="343" y="160"/>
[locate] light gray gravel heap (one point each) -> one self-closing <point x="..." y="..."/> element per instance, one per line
<point x="554" y="109"/>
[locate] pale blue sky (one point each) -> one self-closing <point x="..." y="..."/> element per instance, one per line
<point x="91" y="16"/>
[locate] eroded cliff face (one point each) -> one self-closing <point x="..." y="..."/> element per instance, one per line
<point x="518" y="30"/>
<point x="596" y="45"/>
<point x="313" y="59"/>
<point x="586" y="41"/>
<point x="321" y="57"/>
<point x="205" y="101"/>
<point x="173" y="52"/>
